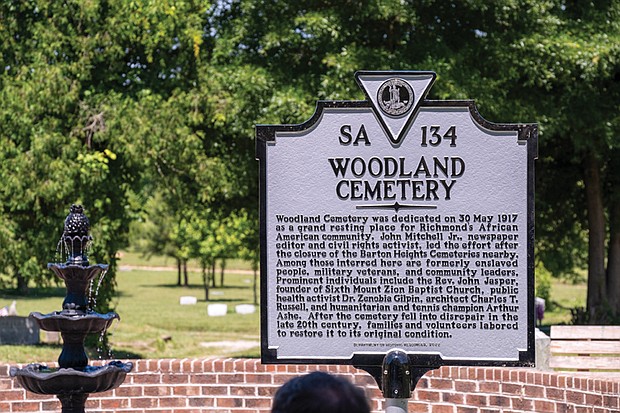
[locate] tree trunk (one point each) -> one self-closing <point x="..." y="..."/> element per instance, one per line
<point x="178" y="272"/>
<point x="205" y="281"/>
<point x="213" y="273"/>
<point x="185" y="278"/>
<point x="596" y="239"/>
<point x="222" y="269"/>
<point x="22" y="284"/>
<point x="613" y="258"/>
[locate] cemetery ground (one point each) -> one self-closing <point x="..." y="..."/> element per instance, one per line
<point x="155" y="325"/>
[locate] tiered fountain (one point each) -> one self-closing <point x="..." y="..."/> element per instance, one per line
<point x="74" y="380"/>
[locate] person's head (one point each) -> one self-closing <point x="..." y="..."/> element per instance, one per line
<point x="319" y="392"/>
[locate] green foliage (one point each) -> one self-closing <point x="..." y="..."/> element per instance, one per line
<point x="604" y="316"/>
<point x="88" y="90"/>
<point x="553" y="62"/>
<point x="138" y="107"/>
<point x="542" y="286"/>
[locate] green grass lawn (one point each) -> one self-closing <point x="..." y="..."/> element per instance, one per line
<point x="564" y="296"/>
<point x="153" y="322"/>
<point x="155" y="325"/>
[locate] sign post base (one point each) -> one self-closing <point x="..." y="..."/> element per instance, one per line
<point x="396" y="405"/>
<point x="396" y="378"/>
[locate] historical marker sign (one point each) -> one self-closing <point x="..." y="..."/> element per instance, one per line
<point x="397" y="223"/>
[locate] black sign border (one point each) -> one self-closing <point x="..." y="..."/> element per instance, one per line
<point x="526" y="132"/>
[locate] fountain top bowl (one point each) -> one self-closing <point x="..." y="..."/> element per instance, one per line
<point x="71" y="272"/>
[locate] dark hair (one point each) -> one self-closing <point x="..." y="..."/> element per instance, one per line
<point x="319" y="392"/>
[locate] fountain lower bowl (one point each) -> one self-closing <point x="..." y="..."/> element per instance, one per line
<point x="40" y="379"/>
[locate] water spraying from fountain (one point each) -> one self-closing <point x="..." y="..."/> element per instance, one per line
<point x="74" y="380"/>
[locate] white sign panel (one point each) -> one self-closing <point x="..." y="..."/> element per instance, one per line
<point x="397" y="223"/>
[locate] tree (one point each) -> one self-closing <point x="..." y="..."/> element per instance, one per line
<point x="157" y="232"/>
<point x="110" y="102"/>
<point x="82" y="84"/>
<point x="220" y="236"/>
<point x="249" y="241"/>
<point x="572" y="79"/>
<point x="555" y="62"/>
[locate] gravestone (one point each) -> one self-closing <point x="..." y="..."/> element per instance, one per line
<point x="397" y="223"/>
<point x="18" y="330"/>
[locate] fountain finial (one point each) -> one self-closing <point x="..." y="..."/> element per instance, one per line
<point x="76" y="235"/>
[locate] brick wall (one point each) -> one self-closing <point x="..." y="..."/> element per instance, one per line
<point x="247" y="386"/>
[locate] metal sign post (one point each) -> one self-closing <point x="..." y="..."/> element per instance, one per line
<point x="398" y="380"/>
<point x="397" y="235"/>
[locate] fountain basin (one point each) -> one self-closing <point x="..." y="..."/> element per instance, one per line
<point x="41" y="379"/>
<point x="67" y="322"/>
<point x="77" y="279"/>
<point x="72" y="272"/>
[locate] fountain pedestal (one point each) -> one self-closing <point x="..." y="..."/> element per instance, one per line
<point x="73" y="403"/>
<point x="74" y="380"/>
